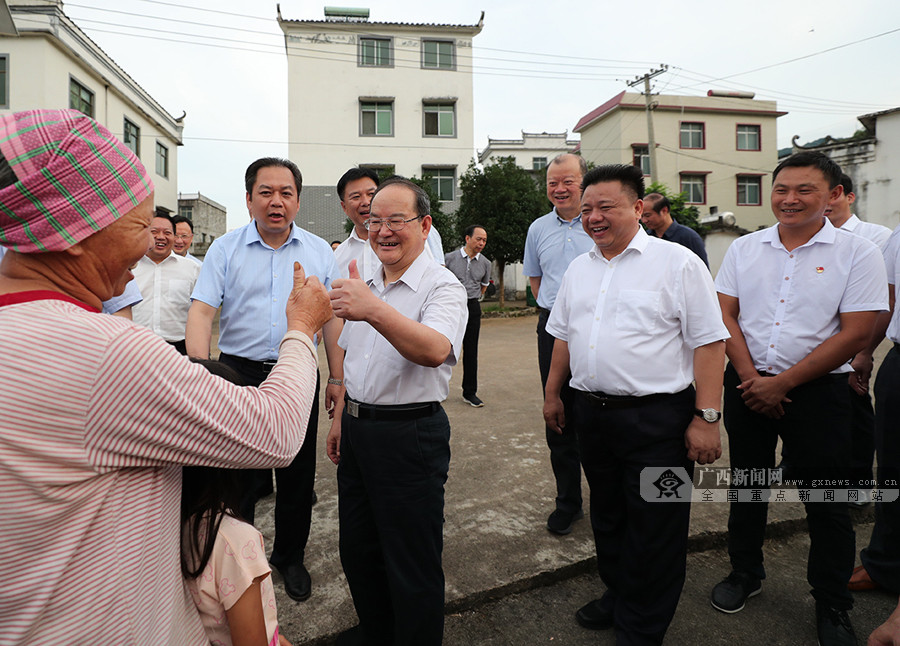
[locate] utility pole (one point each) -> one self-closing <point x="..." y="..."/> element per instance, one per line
<point x="651" y="143"/>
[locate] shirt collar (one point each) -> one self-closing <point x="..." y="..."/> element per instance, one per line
<point x="355" y="236"/>
<point x="411" y="277"/>
<point x="825" y="235"/>
<point x="638" y="243"/>
<point x="251" y="235"/>
<point x="462" y="251"/>
<point x="561" y="220"/>
<point x="851" y="223"/>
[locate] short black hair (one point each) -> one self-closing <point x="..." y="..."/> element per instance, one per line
<point x="266" y="162"/>
<point x="657" y="202"/>
<point x="470" y="230"/>
<point x="631" y="178"/>
<point x="352" y="175"/>
<point x="178" y="219"/>
<point x="847" y="183"/>
<point x="823" y="162"/>
<point x="165" y="216"/>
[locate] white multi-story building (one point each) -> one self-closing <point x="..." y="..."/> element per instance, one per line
<point x="533" y="151"/>
<point x="52" y="64"/>
<point x="719" y="150"/>
<point x="385" y="95"/>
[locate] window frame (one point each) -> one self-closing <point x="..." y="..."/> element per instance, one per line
<point x="745" y="177"/>
<point x="360" y="61"/>
<point x="137" y="135"/>
<point x="161" y="147"/>
<point x="4" y="84"/>
<point x="643" y="157"/>
<point x="378" y="103"/>
<point x="539" y="163"/>
<point x="439" y="108"/>
<point x="692" y="174"/>
<point x="737" y="136"/>
<point x="76" y="84"/>
<point x="437" y="65"/>
<point x="681" y="133"/>
<point x="432" y="171"/>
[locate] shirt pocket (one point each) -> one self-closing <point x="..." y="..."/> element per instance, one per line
<point x="637" y="310"/>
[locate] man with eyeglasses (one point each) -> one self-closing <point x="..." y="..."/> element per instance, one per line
<point x="554" y="240"/>
<point x="165" y="281"/>
<point x="184" y="237"/>
<point x="402" y="336"/>
<point x="355" y="189"/>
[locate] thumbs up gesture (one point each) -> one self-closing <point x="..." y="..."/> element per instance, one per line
<point x="351" y="298"/>
<point x="307" y="306"/>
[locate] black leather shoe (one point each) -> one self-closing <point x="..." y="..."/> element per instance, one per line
<point x="560" y="522"/>
<point x="730" y="595"/>
<point x="833" y="627"/>
<point x="297" y="582"/>
<point x="595" y="616"/>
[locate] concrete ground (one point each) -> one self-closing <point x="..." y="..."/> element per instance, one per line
<point x="496" y="545"/>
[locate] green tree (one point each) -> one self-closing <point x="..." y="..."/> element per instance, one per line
<point x="443" y="222"/>
<point x="504" y="199"/>
<point x="682" y="213"/>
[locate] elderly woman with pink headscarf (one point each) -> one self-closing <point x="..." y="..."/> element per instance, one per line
<point x="96" y="413"/>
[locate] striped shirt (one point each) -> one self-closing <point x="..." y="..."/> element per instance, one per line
<point x="96" y="415"/>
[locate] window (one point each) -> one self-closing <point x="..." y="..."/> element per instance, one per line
<point x="749" y="190"/>
<point x="443" y="182"/>
<point x="81" y="98"/>
<point x="375" y="52"/>
<point x="186" y="212"/>
<point x="131" y="137"/>
<point x="440" y="120"/>
<point x="748" y="137"/>
<point x="376" y="118"/>
<point x="162" y="160"/>
<point x="4" y="81"/>
<point x="438" y="54"/>
<point x="538" y="163"/>
<point x="640" y="157"/>
<point x="694" y="188"/>
<point x="691" y="135"/>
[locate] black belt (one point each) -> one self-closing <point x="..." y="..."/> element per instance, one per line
<point x="264" y="367"/>
<point x="387" y="413"/>
<point x="609" y="402"/>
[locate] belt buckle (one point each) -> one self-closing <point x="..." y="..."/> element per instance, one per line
<point x="352" y="408"/>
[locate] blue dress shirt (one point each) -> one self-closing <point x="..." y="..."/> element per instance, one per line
<point x="251" y="281"/>
<point x="552" y="244"/>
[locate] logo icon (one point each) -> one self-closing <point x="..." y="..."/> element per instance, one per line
<point x="668" y="483"/>
<point x="819" y="270"/>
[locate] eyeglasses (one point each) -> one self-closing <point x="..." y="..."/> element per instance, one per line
<point x="184" y="236"/>
<point x="393" y="224"/>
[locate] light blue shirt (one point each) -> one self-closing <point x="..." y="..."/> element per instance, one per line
<point x="131" y="296"/>
<point x="251" y="281"/>
<point x="552" y="244"/>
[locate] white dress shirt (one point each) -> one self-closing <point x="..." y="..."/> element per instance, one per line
<point x="355" y="248"/>
<point x="374" y="372"/>
<point x="791" y="301"/>
<point x="633" y="322"/>
<point x="869" y="230"/>
<point x="166" y="288"/>
<point x="892" y="264"/>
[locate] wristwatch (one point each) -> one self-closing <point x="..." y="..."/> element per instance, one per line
<point x="708" y="414"/>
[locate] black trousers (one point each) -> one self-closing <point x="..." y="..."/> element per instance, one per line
<point x="564" y="456"/>
<point x="470" y="348"/>
<point x="391" y="505"/>
<point x="882" y="557"/>
<point x="641" y="546"/>
<point x="863" y="433"/>
<point x="816" y="443"/>
<point x="293" y="484"/>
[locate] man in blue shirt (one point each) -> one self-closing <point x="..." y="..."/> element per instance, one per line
<point x="554" y="240"/>
<point x="249" y="273"/>
<point x="657" y="217"/>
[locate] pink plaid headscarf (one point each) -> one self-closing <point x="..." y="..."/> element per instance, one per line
<point x="70" y="178"/>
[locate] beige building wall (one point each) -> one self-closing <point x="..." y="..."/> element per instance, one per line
<point x="50" y="51"/>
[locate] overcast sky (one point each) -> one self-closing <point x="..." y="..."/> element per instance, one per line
<point x="539" y="66"/>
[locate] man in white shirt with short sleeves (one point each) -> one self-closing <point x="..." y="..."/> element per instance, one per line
<point x="636" y="321"/>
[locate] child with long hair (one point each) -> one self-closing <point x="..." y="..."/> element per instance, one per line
<point x="222" y="557"/>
